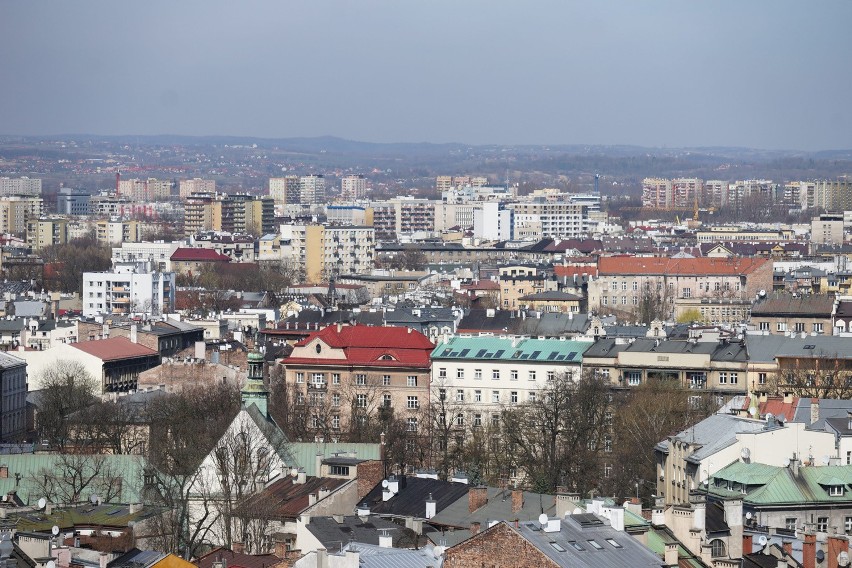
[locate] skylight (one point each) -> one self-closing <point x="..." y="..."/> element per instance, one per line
<point x="614" y="543"/>
<point x="558" y="547"/>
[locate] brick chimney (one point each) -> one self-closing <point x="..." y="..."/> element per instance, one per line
<point x="748" y="543"/>
<point x="517" y="500"/>
<point x="809" y="551"/>
<point x="237" y="548"/>
<point x="477" y="497"/>
<point x="787" y="547"/>
<point x="835" y="546"/>
<point x="4" y="471"/>
<point x="474" y="528"/>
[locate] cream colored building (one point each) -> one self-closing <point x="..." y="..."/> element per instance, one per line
<point x="286" y="190"/>
<point x="17" y="211"/>
<point x="20" y="186"/>
<point x="43" y="233"/>
<point x="145" y="189"/>
<point x="196" y="185"/>
<point x="353" y="187"/>
<point x="117" y="232"/>
<point x="326" y="250"/>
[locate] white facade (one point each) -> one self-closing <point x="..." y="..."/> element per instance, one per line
<point x="128" y="290"/>
<point x="20" y="186"/>
<point x="158" y="254"/>
<point x="559" y="220"/>
<point x="492" y="223"/>
<point x="353" y="187"/>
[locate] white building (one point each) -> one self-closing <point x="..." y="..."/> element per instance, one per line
<point x="20" y="186"/>
<point x="353" y="187"/>
<point x="286" y="190"/>
<point x="492" y="222"/>
<point x="130" y="288"/>
<point x="557" y="220"/>
<point x="157" y="253"/>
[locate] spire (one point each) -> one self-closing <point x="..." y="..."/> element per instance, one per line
<point x="254" y="392"/>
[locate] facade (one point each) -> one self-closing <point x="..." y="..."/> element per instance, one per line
<point x="70" y="201"/>
<point x="128" y="290"/>
<point x="196" y="185"/>
<point x="519" y="280"/>
<point x="342" y="374"/>
<point x="353" y="187"/>
<point x="20" y="186"/>
<point x="312" y="190"/>
<point x="329" y="250"/>
<point x="13" y="398"/>
<point x="493" y="222"/>
<point x="623" y="281"/>
<point x="479" y="376"/>
<point x="286" y="190"/>
<point x="656" y="193"/>
<point x="150" y="189"/>
<point x="782" y="313"/>
<point x="158" y="254"/>
<point x="17" y="211"/>
<point x="194" y="260"/>
<point x="557" y="220"/>
<point x="43" y="233"/>
<point x="117" y="232"/>
<point x="827" y="229"/>
<point x="831" y="195"/>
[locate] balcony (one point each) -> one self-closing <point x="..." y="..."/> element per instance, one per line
<point x="317" y="386"/>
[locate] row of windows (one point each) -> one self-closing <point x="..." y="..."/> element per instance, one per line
<point x="477" y="396"/>
<point x="495" y="374"/>
<point x="361" y="379"/>
<point x="798" y="327"/>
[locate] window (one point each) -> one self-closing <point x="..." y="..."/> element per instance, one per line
<point x="531" y="375"/>
<point x="442" y="394"/>
<point x="300" y="398"/>
<point x="477" y="373"/>
<point x="761" y="378"/>
<point x="633" y="378"/>
<point x="412" y="424"/>
<point x="300" y="377"/>
<point x="360" y="379"/>
<point x="495" y="396"/>
<point x="386" y="400"/>
<point x="495" y="421"/>
<point x="411" y="381"/>
<point x="735" y="377"/>
<point x="604" y="300"/>
<point x="459" y="373"/>
<point x="335" y="399"/>
<point x="847" y="525"/>
<point x="335" y="378"/>
<point x="513" y="397"/>
<point x="723" y="378"/>
<point x="495" y="374"/>
<point x="799" y="327"/>
<point x="338" y="470"/>
<point x="763" y="326"/>
<point x="531" y="396"/>
<point x="318" y="379"/>
<point x="835" y="490"/>
<point x="817" y="328"/>
<point x="513" y="375"/>
<point x="442" y="373"/>
<point x="717" y="548"/>
<point x="687" y="292"/>
<point x="361" y="400"/>
<point x="624" y="300"/>
<point x="315" y="423"/>
<point x="593" y="543"/>
<point x="550" y="375"/>
<point x="413" y="402"/>
<point x="790" y="523"/>
<point x="335" y="421"/>
<point x="782" y="326"/>
<point x="635" y="286"/>
<point x="822" y="524"/>
<point x="477" y="420"/>
<point x="477" y="396"/>
<point x="459" y="395"/>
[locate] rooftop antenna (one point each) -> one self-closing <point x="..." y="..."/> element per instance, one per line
<point x="597" y="179"/>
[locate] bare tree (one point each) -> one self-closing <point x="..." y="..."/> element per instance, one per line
<point x="73" y="478"/>
<point x="67" y="387"/>
<point x="814" y="375"/>
<point x="655" y="303"/>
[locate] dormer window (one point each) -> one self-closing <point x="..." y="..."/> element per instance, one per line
<point x="835" y="490"/>
<point x="386" y="357"/>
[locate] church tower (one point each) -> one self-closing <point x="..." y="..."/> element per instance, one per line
<point x="254" y="392"/>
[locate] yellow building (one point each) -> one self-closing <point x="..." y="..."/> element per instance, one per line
<point x="16" y="212"/>
<point x="117" y="232"/>
<point x="327" y="251"/>
<point x="43" y="233"/>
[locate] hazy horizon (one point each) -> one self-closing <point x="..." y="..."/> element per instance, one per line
<point x="762" y="75"/>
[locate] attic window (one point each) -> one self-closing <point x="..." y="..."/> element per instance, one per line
<point x="557" y="547"/>
<point x="835" y="490"/>
<point x="614" y="543"/>
<point x="386" y="357"/>
<point x="594" y="544"/>
<point x="576" y="545"/>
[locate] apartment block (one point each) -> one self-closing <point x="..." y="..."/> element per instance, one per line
<point x="557" y="220"/>
<point x="326" y="250"/>
<point x="17" y="211"/>
<point x="128" y="289"/>
<point x="116" y="232"/>
<point x="312" y="189"/>
<point x="353" y="187"/>
<point x="237" y="213"/>
<point x="20" y="186"/>
<point x="43" y="233"/>
<point x="145" y="189"/>
<point x="286" y="190"/>
<point x="196" y="185"/>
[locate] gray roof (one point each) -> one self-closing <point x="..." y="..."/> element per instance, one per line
<point x="11" y="325"/>
<point x="9" y="361"/>
<point x="372" y="556"/>
<point x="498" y="507"/>
<point x="828" y="408"/>
<point x="765" y="348"/>
<point x="715" y="432"/>
<point x="606" y="347"/>
<point x="581" y="530"/>
<point x="329" y="532"/>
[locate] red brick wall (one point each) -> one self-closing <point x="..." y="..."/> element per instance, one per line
<point x="370" y="473"/>
<point x="497" y="547"/>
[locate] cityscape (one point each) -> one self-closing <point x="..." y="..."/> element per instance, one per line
<point x="304" y="286"/>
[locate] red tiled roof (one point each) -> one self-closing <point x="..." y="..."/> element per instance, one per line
<point x="114" y="349"/>
<point x="199" y="255"/>
<point x="289" y="499"/>
<point x="234" y="559"/>
<point x="681" y="266"/>
<point x="775" y="406"/>
<point x="366" y="345"/>
<point x="574" y="270"/>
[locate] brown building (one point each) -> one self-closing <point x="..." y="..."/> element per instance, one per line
<point x="194" y="260"/>
<point x="783" y="313"/>
<point x="342" y="374"/>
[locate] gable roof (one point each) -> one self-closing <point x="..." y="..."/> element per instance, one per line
<point x="286" y="499"/>
<point x="410" y="501"/>
<point x="331" y="532"/>
<point x="185" y="254"/>
<point x="114" y="349"/>
<point x="365" y="345"/>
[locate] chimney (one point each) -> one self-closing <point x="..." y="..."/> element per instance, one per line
<point x="787" y="547"/>
<point x="322" y="558"/>
<point x="836" y="545"/>
<point x="385" y="540"/>
<point x="280" y="549"/>
<point x="615" y="516"/>
<point x="734" y="519"/>
<point x="318" y="464"/>
<point x="748" y="543"/>
<point x="237" y="547"/>
<point x="698" y="514"/>
<point x="474" y="528"/>
<point x="477" y="497"/>
<point x="134" y="333"/>
<point x="135" y="508"/>
<point x="814" y="410"/>
<point x="809" y="551"/>
<point x="430" y="507"/>
<point x="517" y="500"/>
<point x="671" y="557"/>
<point x="63" y="556"/>
<point x="103" y="560"/>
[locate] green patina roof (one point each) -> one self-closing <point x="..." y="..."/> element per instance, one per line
<point x="84" y="515"/>
<point x="305" y="453"/>
<point x="505" y="349"/>
<point x="27" y="467"/>
<point x="657" y="540"/>
<point x="770" y="485"/>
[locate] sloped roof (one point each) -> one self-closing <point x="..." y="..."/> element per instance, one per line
<point x="329" y="532"/>
<point x="185" y="254"/>
<point x="801" y="305"/>
<point x="498" y="507"/>
<point x="715" y="432"/>
<point x="287" y="498"/>
<point x="618" y="265"/>
<point x="232" y="558"/>
<point x="774" y="485"/>
<point x="410" y="501"/>
<point x="114" y="349"/>
<point x="524" y="350"/>
<point x="365" y="345"/>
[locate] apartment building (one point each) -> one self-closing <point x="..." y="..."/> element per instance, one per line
<point x="236" y="213"/>
<point x="353" y="187"/>
<point x="150" y="189"/>
<point x="519" y="280"/>
<point x="196" y="185"/>
<point x="557" y="220"/>
<point x="70" y="201"/>
<point x="16" y="211"/>
<point x="831" y="195"/>
<point x="13" y="398"/>
<point x="330" y="250"/>
<point x="404" y="216"/>
<point x="312" y="190"/>
<point x="158" y="254"/>
<point x="656" y="193"/>
<point x="116" y="232"/>
<point x="730" y="233"/>
<point x="827" y="229"/>
<point x="128" y="289"/>
<point x="286" y="190"/>
<point x="20" y="186"/>
<point x="344" y="375"/>
<point x="622" y="281"/>
<point x="43" y="233"/>
<point x="477" y="376"/>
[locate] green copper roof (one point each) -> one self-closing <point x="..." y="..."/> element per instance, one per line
<point x="505" y="349"/>
<point x="771" y="485"/>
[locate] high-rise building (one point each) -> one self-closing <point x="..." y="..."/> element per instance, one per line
<point x="16" y="211"/>
<point x="353" y="187"/>
<point x="286" y="190"/>
<point x="196" y="185"/>
<point x="43" y="233"/>
<point x="312" y="189"/>
<point x="128" y="289"/>
<point x="832" y="195"/>
<point x="145" y="189"/>
<point x="656" y="193"/>
<point x="71" y="201"/>
<point x="237" y="213"/>
<point x="326" y="250"/>
<point x="13" y="395"/>
<point x="117" y="232"/>
<point x="20" y="186"/>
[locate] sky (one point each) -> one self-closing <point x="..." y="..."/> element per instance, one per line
<point x="772" y="74"/>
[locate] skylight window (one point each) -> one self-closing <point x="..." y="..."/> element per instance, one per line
<point x="557" y="547"/>
<point x="614" y="543"/>
<point x="576" y="546"/>
<point x="595" y="545"/>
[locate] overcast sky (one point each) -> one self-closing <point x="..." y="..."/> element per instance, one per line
<point x="764" y="74"/>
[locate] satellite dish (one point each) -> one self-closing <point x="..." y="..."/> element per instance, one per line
<point x="439" y="551"/>
<point x="843" y="558"/>
<point x="55" y="530"/>
<point x="762" y="293"/>
<point x="820" y="555"/>
<point x="50" y="564"/>
<point x="761" y="540"/>
<point x="294" y="472"/>
<point x="752" y="411"/>
<point x="42" y="503"/>
<point x="385" y="483"/>
<point x="748" y="515"/>
<point x="745" y="453"/>
<point x="93" y="499"/>
<point x="542" y="518"/>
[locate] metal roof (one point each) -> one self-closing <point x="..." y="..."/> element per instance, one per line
<point x="514" y="350"/>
